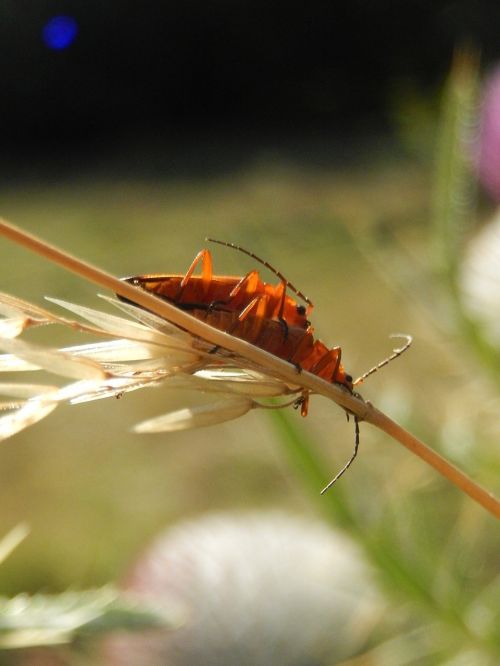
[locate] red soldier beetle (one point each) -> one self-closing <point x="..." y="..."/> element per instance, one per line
<point x="261" y="314"/>
<point x="208" y="292"/>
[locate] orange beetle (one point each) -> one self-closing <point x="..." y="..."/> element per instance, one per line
<point x="294" y="344"/>
<point x="208" y="292"/>
<point x="260" y="313"/>
<point x="248" y="308"/>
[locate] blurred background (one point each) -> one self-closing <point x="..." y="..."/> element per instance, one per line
<point x="327" y="138"/>
<point x="203" y="87"/>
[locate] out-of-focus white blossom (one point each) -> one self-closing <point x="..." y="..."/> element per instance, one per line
<point x="480" y="279"/>
<point x="134" y="355"/>
<point x="259" y="590"/>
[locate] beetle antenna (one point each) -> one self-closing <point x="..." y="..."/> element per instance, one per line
<point x="351" y="459"/>
<point x="396" y="352"/>
<point x="266" y="264"/>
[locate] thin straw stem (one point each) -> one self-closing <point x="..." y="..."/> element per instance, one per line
<point x="270" y="364"/>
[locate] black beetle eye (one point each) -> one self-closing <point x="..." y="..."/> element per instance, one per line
<point x="301" y="310"/>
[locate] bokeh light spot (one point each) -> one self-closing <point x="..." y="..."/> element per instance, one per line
<point x="60" y="32"/>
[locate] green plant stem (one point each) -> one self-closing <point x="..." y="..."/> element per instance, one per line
<point x="335" y="504"/>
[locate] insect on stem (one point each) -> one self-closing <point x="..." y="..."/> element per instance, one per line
<point x="262" y="359"/>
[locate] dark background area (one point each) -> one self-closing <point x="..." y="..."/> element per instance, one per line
<point x="183" y="70"/>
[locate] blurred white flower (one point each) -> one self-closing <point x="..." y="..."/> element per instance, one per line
<point x="135" y="355"/>
<point x="259" y="590"/>
<point x="480" y="279"/>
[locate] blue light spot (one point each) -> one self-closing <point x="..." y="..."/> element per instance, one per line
<point x="60" y="32"/>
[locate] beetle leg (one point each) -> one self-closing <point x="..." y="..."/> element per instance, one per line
<point x="284" y="328"/>
<point x="259" y="303"/>
<point x="206" y="272"/>
<point x="280" y="291"/>
<point x="304" y="408"/>
<point x="301" y="352"/>
<point x="249" y="283"/>
<point x="332" y="355"/>
<point x="303" y="403"/>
